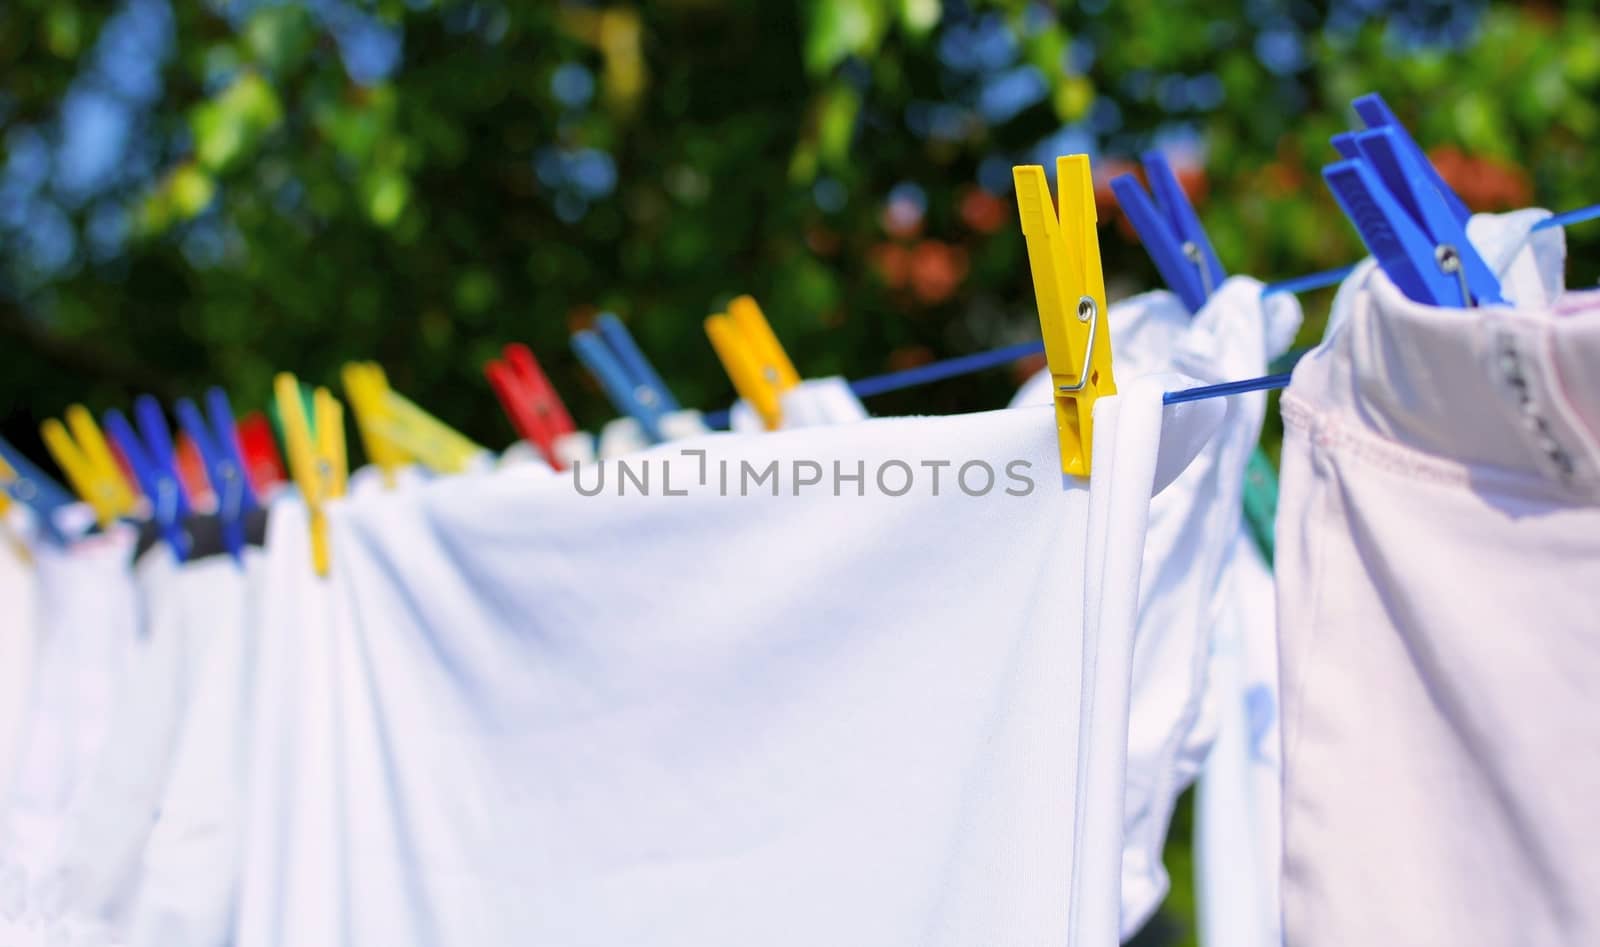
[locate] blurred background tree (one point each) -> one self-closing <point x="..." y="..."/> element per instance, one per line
<point x="194" y="193"/>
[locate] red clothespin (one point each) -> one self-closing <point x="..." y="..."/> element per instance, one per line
<point x="530" y="401"/>
<point x="259" y="448"/>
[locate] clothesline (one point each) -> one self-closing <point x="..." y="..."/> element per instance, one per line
<point x="1005" y="355"/>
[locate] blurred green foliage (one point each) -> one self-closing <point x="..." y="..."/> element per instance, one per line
<point x="209" y="192"/>
<point x="517" y="168"/>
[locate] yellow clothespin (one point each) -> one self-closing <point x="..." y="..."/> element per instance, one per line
<point x="753" y="358"/>
<point x="86" y="458"/>
<point x="318" y="465"/>
<point x="364" y="385"/>
<point x="394" y="430"/>
<point x="1064" y="254"/>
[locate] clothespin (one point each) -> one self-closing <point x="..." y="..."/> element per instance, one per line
<point x="1376" y="114"/>
<point x="22" y="482"/>
<point x="317" y="459"/>
<point x="1171" y="232"/>
<point x="530" y="401"/>
<point x="364" y="385"/>
<point x="1405" y="171"/>
<point x="399" y="429"/>
<point x="86" y="459"/>
<point x="630" y="381"/>
<point x="218" y="444"/>
<point x="154" y="462"/>
<point x="259" y="447"/>
<point x="753" y="358"/>
<point x="1409" y="218"/>
<point x="1064" y="255"/>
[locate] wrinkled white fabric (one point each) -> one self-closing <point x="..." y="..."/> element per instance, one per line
<point x="189" y="870"/>
<point x="185" y="609"/>
<point x="623" y="436"/>
<point x="526" y="715"/>
<point x="294" y="779"/>
<point x="1438" y="547"/>
<point x="1238" y="808"/>
<point x="87" y="614"/>
<point x="19" y="632"/>
<point x="1192" y="527"/>
<point x="815" y="402"/>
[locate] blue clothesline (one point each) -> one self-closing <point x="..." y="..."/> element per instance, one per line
<point x="1569" y="217"/>
<point x="1226" y="388"/>
<point x="1305" y="284"/>
<point x="994" y="358"/>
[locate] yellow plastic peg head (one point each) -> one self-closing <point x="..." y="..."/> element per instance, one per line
<point x="1064" y="257"/>
<point x="753" y="358"/>
<point x="83" y="454"/>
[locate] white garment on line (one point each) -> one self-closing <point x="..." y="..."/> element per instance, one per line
<point x="1192" y="528"/>
<point x="526" y="715"/>
<point x="1238" y="807"/>
<point x="815" y="402"/>
<point x="1438" y="551"/>
<point x="19" y="632"/>
<point x="87" y="616"/>
<point x="189" y="870"/>
<point x="293" y="776"/>
<point x="98" y="870"/>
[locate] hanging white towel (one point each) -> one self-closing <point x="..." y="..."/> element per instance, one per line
<point x="764" y="713"/>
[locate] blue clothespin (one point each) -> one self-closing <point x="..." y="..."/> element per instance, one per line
<point x="1171" y="232"/>
<point x="154" y="463"/>
<point x="1376" y="113"/>
<point x="26" y="484"/>
<point x="1420" y="222"/>
<point x="218" y="445"/>
<point x="1394" y="239"/>
<point x="627" y="376"/>
<point x="1405" y="172"/>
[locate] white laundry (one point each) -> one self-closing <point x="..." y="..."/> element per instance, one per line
<point x="87" y="620"/>
<point x="1438" y="548"/>
<point x="292" y="773"/>
<point x="190" y="866"/>
<point x="1238" y="806"/>
<point x="526" y="715"/>
<point x="96" y="870"/>
<point x="814" y="402"/>
<point x="1192" y="527"/>
<point x="19" y="633"/>
<point x="623" y="436"/>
